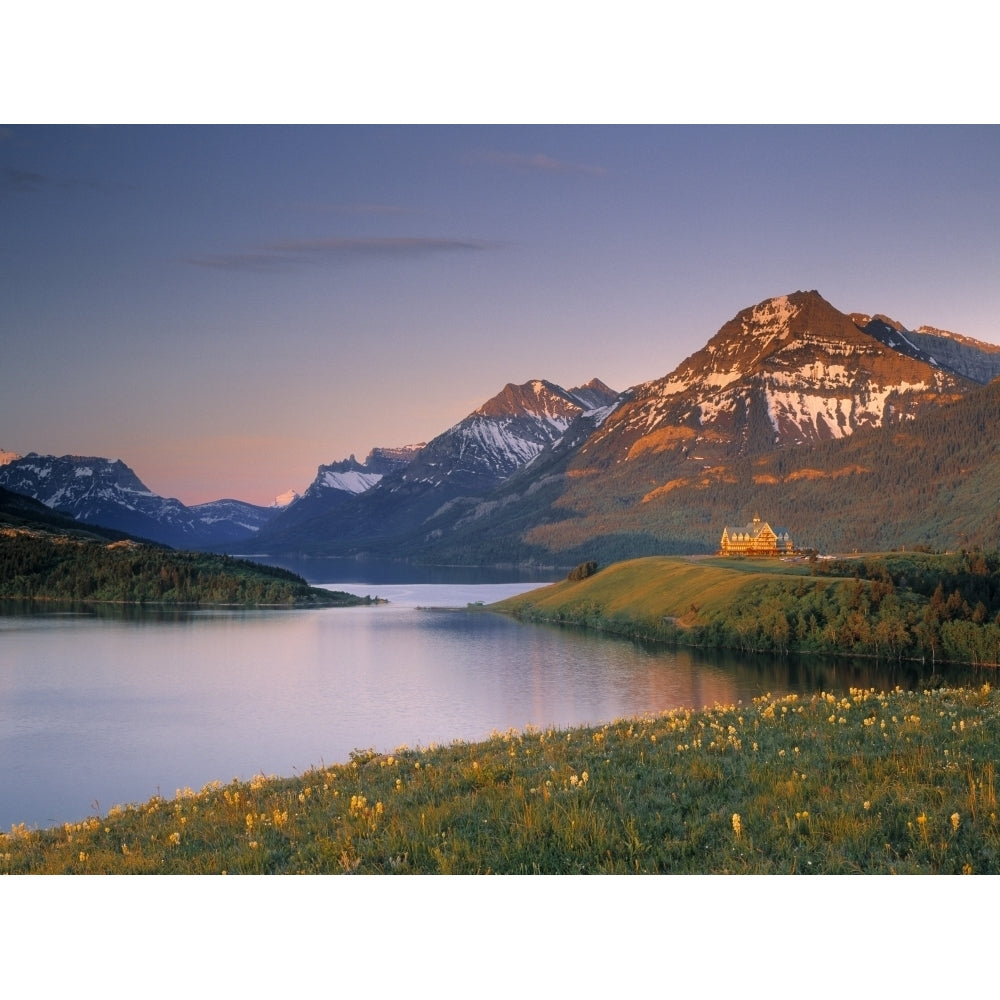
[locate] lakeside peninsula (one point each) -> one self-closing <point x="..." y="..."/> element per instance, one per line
<point x="39" y="566"/>
<point x="931" y="607"/>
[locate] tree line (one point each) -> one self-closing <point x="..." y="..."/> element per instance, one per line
<point x="45" y="567"/>
<point x="900" y="606"/>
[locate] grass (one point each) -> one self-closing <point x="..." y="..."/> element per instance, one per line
<point x="896" y="782"/>
<point x="651" y="589"/>
<point x="892" y="607"/>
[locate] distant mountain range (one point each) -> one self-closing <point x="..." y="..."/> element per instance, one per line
<point x="847" y="428"/>
<point x="105" y="492"/>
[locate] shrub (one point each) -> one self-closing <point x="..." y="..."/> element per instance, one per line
<point x="582" y="571"/>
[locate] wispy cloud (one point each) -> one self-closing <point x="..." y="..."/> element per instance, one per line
<point x="531" y="162"/>
<point x="15" y="181"/>
<point x="22" y="181"/>
<point x="290" y="253"/>
<point x="360" y="209"/>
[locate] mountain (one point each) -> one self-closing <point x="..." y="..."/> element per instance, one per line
<point x="973" y="359"/>
<point x="231" y="520"/>
<point x="337" y="484"/>
<point x="19" y="513"/>
<point x="352" y="477"/>
<point x="503" y="435"/>
<point x="764" y="416"/>
<point x="470" y="458"/>
<point x="105" y="492"/>
<point x="788" y="371"/>
<point x="848" y="429"/>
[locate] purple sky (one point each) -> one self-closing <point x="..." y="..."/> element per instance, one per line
<point x="225" y="308"/>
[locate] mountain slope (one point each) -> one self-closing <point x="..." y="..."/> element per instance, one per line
<point x="22" y="513"/>
<point x="932" y="481"/>
<point x="960" y="355"/>
<point x="470" y="458"/>
<point x="231" y="520"/>
<point x="783" y="390"/>
<point x="101" y="491"/>
<point x="788" y="371"/>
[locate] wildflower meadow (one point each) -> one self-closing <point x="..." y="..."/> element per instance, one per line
<point x="869" y="782"/>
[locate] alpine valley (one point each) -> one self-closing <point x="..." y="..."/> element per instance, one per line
<point x="848" y="429"/>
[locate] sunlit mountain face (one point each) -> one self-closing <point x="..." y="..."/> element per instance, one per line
<point x="792" y="406"/>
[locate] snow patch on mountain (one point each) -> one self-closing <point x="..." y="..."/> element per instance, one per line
<point x="352" y="481"/>
<point x="507" y="432"/>
<point x="352" y="478"/>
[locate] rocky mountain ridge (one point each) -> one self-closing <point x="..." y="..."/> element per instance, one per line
<point x="964" y="356"/>
<point x="106" y="492"/>
<point x="353" y="477"/>
<point x="475" y="455"/>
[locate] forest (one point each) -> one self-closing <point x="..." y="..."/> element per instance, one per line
<point x="937" y="609"/>
<point x="37" y="566"/>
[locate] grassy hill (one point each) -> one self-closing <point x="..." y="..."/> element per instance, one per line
<point x="894" y="606"/>
<point x="648" y="591"/>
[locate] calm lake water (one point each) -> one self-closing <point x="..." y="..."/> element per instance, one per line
<point x="103" y="708"/>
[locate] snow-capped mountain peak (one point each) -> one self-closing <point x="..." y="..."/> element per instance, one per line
<point x="788" y="370"/>
<point x="505" y="433"/>
<point x="284" y="499"/>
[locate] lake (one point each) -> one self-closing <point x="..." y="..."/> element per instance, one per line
<point x="106" y="707"/>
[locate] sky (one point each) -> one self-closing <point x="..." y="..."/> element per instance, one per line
<point x="225" y="308"/>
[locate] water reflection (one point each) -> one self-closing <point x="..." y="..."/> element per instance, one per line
<point x="322" y="569"/>
<point x="105" y="707"/>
